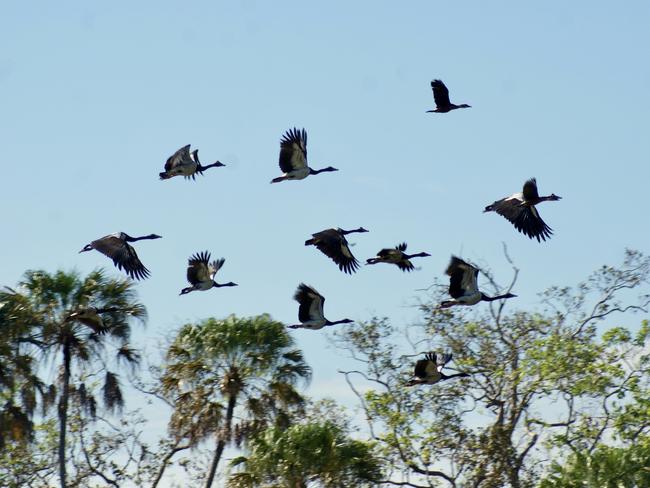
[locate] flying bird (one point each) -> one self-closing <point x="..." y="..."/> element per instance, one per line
<point x="463" y="286"/>
<point x="116" y="246"/>
<point x="428" y="371"/>
<point x="185" y="163"/>
<point x="293" y="157"/>
<point x="441" y="97"/>
<point x="200" y="273"/>
<point x="521" y="211"/>
<point x="310" y="312"/>
<point x="397" y="256"/>
<point x="334" y="245"/>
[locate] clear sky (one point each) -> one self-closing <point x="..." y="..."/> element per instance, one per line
<point x="94" y="96"/>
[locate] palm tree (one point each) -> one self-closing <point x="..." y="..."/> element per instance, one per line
<point x="248" y="364"/>
<point x="304" y="453"/>
<point x="77" y="319"/>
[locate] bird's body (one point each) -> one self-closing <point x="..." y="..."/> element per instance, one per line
<point x="397" y="256"/>
<point x="463" y="285"/>
<point x="310" y="312"/>
<point x="441" y="97"/>
<point x="333" y="244"/>
<point x="116" y="246"/>
<point x="293" y="157"/>
<point x="185" y="163"/>
<point x="201" y="272"/>
<point x="428" y="371"/>
<point x="520" y="210"/>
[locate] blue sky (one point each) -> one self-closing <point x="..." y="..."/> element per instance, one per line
<point x="95" y="97"/>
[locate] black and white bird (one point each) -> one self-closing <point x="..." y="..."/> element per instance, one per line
<point x="185" y="163"/>
<point x="397" y="256"/>
<point x="334" y="245"/>
<point x="116" y="246"/>
<point x="441" y="97"/>
<point x="293" y="157"/>
<point x="520" y="210"/>
<point x="428" y="371"/>
<point x="200" y="273"/>
<point x="310" y="312"/>
<point x="463" y="286"/>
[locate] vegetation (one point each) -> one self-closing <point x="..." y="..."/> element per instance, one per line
<point x="557" y="397"/>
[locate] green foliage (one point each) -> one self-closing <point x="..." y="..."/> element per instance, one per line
<point x="541" y="379"/>
<point x="237" y="368"/>
<point x="606" y="466"/>
<point x="315" y="452"/>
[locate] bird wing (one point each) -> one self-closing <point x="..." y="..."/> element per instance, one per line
<point x="463" y="277"/>
<point x="178" y="158"/>
<point x="215" y="266"/>
<point x="401" y="247"/>
<point x="123" y="256"/>
<point x="525" y="218"/>
<point x="405" y="265"/>
<point x="311" y="303"/>
<point x="440" y="93"/>
<point x="293" y="150"/>
<point x="531" y="224"/>
<point x="335" y="246"/>
<point x="530" y="190"/>
<point x="198" y="270"/>
<point x="441" y="360"/>
<point x="425" y="368"/>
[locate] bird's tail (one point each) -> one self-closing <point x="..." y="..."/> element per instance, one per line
<point x="164" y="175"/>
<point x="447" y="304"/>
<point x="278" y="179"/>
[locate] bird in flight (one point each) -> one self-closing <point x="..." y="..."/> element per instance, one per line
<point x="116" y="246"/>
<point x="520" y="210"/>
<point x="441" y="97"/>
<point x="293" y="157"/>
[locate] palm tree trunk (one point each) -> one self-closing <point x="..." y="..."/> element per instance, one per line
<point x="63" y="412"/>
<point x="232" y="401"/>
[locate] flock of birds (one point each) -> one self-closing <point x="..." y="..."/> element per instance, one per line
<point x="519" y="208"/>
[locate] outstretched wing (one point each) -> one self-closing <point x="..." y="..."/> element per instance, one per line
<point x="525" y="218"/>
<point x="178" y="158"/>
<point x="123" y="256"/>
<point x="530" y="190"/>
<point x="335" y="246"/>
<point x="198" y="270"/>
<point x="462" y="277"/>
<point x="440" y="93"/>
<point x="293" y="150"/>
<point x="311" y="303"/>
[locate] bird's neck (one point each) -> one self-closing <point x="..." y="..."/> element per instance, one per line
<point x="418" y="255"/>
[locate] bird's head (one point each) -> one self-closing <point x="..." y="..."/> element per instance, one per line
<point x="425" y="254"/>
<point x="185" y="291"/>
<point x="509" y="295"/>
<point x="154" y="236"/>
<point x="464" y="105"/>
<point x="347" y="321"/>
<point x="553" y="197"/>
<point x="87" y="247"/>
<point x="330" y="168"/>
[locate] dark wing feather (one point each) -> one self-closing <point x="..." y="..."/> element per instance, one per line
<point x="197" y="268"/>
<point x="123" y="255"/>
<point x="525" y="218"/>
<point x="305" y="296"/>
<point x="531" y="224"/>
<point x="530" y="190"/>
<point x="335" y="246"/>
<point x="456" y="271"/>
<point x="440" y="94"/>
<point x="401" y="247"/>
<point x="178" y="157"/>
<point x="421" y="368"/>
<point x="405" y="265"/>
<point x="293" y="150"/>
